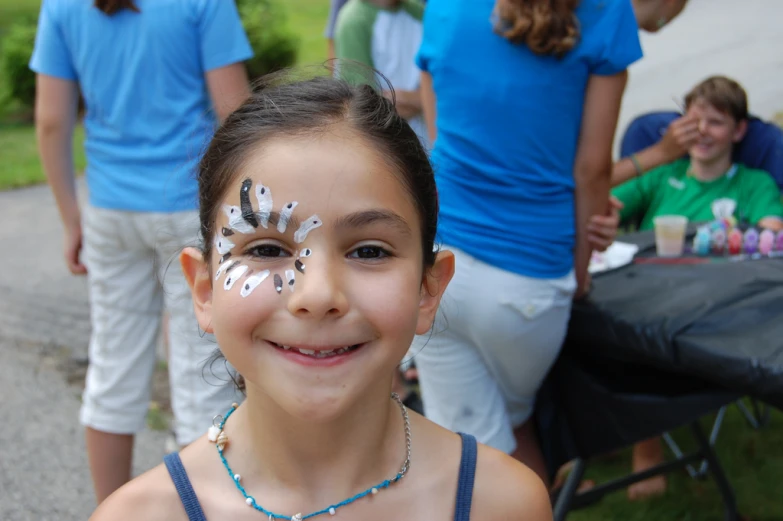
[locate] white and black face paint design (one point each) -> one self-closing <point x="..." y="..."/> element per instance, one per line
<point x="232" y="276"/>
<point x="244" y="201"/>
<point x="302" y="255"/>
<point x="252" y="283"/>
<point x="285" y="216"/>
<point x="235" y="220"/>
<point x="290" y="277"/>
<point x="226" y="266"/>
<point x="264" y="196"/>
<point x="278" y="283"/>
<point x="223" y="245"/>
<point x="306" y="227"/>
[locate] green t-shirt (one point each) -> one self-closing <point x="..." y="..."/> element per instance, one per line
<point x="670" y="190"/>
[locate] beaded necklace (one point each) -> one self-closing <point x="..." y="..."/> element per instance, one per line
<point x="217" y="435"/>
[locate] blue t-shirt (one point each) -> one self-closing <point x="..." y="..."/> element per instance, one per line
<point x="508" y="123"/>
<point x="141" y="75"/>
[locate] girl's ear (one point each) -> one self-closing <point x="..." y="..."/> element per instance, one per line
<point x="197" y="274"/>
<point x="433" y="286"/>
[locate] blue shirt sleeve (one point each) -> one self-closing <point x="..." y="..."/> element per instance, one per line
<point x="223" y="39"/>
<point x="50" y="54"/>
<point x="620" y="34"/>
<point x="334" y="9"/>
<point x="426" y="49"/>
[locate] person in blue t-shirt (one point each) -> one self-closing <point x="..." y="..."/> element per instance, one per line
<point x="155" y="78"/>
<point x="526" y="109"/>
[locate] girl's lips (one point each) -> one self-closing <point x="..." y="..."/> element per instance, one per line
<point x="320" y="356"/>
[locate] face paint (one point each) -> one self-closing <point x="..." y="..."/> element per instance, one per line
<point x="299" y="266"/>
<point x="223" y="245"/>
<point x="235" y="220"/>
<point x="226" y="266"/>
<point x="290" y="277"/>
<point x="252" y="283"/>
<point x="244" y="203"/>
<point x="302" y="255"/>
<point x="285" y="215"/>
<point x="278" y="283"/>
<point x="233" y="275"/>
<point x="227" y="232"/>
<point x="264" y="196"/>
<point x="224" y="258"/>
<point x="307" y="226"/>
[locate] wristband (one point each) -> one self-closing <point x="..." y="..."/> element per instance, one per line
<point x="636" y="165"/>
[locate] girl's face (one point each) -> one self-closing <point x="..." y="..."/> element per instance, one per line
<point x="323" y="287"/>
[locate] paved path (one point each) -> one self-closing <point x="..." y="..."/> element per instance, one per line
<point x="43" y="310"/>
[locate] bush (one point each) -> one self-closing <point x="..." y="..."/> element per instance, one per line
<point x="274" y="45"/>
<point x="15" y="53"/>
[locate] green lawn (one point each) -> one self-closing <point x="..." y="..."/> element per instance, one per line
<point x="20" y="165"/>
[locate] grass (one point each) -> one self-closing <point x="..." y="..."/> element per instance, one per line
<point x="20" y="165"/>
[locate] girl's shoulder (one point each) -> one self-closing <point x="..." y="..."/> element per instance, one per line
<point x="503" y="488"/>
<point x="151" y="496"/>
<point x="507" y="489"/>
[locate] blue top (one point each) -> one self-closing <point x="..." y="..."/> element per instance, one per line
<point x="467" y="473"/>
<point x="142" y="78"/>
<point x="508" y="123"/>
<point x="761" y="148"/>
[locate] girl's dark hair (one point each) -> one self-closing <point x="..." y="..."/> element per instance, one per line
<point x="111" y="7"/>
<point x="282" y="107"/>
<point x="547" y="27"/>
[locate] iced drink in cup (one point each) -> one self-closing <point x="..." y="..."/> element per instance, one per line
<point x="670" y="234"/>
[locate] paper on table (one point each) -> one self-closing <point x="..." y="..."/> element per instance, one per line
<point x="617" y="255"/>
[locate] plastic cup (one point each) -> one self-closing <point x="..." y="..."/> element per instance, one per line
<point x="670" y="234"/>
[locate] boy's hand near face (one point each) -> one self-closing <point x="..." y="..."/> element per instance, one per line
<point x="680" y="136"/>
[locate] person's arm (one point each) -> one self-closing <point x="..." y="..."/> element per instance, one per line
<point x="427" y="95"/>
<point x="228" y="88"/>
<point x="334" y="10"/>
<point x="593" y="164"/>
<point x="407" y="102"/>
<point x="56" y="102"/>
<point x="680" y="136"/>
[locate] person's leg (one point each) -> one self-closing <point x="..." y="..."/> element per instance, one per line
<point x="647" y="454"/>
<point x="125" y="309"/>
<point x="199" y="390"/>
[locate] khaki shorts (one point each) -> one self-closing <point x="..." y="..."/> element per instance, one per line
<point x="127" y="255"/>
<point x="495" y="338"/>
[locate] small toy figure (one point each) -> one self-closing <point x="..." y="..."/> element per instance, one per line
<point x="718" y="240"/>
<point x="701" y="241"/>
<point x="751" y="241"/>
<point x="766" y="242"/>
<point x="778" y="246"/>
<point x="735" y="242"/>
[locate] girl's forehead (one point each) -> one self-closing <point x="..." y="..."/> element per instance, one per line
<point x="324" y="174"/>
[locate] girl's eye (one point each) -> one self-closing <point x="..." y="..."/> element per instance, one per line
<point x="268" y="250"/>
<point x="369" y="252"/>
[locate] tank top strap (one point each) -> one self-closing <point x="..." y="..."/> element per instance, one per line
<point x="185" y="490"/>
<point x="467" y="474"/>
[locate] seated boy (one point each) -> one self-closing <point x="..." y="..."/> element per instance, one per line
<point x="695" y="187"/>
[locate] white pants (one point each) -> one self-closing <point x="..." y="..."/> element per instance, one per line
<point x="496" y="336"/>
<point x="127" y="255"/>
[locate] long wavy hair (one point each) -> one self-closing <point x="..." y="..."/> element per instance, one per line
<point x="547" y="27"/>
<point x="111" y="7"/>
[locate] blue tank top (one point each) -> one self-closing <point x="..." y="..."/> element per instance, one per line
<point x="467" y="473"/>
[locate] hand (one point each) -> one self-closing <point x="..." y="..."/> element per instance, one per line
<point x="73" y="247"/>
<point x="584" y="287"/>
<point x="681" y="135"/>
<point x="602" y="229"/>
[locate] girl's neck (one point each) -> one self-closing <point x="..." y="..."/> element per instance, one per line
<point x="712" y="170"/>
<point x="358" y="449"/>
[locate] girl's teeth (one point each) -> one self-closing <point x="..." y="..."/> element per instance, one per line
<point x="306" y="351"/>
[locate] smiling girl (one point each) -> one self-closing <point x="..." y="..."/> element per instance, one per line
<point x="318" y="214"/>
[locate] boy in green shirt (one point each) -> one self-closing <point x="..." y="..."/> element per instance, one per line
<point x="707" y="184"/>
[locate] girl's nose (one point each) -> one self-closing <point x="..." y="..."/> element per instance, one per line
<point x="317" y="293"/>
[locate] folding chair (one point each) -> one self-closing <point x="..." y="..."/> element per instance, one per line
<point x="762" y="148"/>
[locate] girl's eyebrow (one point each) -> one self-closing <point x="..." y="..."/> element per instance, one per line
<point x="293" y="221"/>
<point x="368" y="217"/>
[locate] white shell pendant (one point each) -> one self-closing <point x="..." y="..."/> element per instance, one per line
<point x="297" y="517"/>
<point x="222" y="441"/>
<point x="212" y="433"/>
